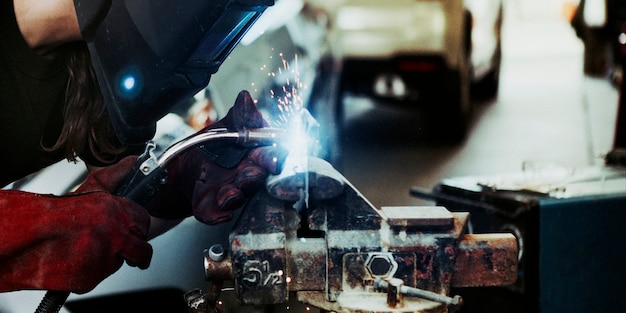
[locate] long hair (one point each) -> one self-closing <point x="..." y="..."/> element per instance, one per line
<point x="87" y="129"/>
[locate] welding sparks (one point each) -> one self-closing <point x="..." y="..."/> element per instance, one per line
<point x="293" y="116"/>
<point x="288" y="99"/>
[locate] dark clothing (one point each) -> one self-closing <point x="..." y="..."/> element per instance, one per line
<point x="31" y="102"/>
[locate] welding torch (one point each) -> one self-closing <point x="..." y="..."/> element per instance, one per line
<point x="149" y="176"/>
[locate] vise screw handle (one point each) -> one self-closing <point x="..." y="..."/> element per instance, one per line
<point x="395" y="285"/>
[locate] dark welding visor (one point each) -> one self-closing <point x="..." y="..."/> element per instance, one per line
<point x="150" y="55"/>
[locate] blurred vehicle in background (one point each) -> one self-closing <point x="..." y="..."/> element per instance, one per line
<point x="284" y="45"/>
<point x="598" y="23"/>
<point x="431" y="54"/>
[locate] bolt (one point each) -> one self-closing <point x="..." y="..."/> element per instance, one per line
<point x="216" y="253"/>
<point x="380" y="266"/>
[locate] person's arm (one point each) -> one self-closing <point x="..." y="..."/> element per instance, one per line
<point x="71" y="242"/>
<point x="45" y="24"/>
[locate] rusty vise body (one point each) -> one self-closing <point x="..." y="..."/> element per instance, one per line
<point x="342" y="254"/>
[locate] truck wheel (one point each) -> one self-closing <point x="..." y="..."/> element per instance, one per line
<point x="449" y="116"/>
<point x="488" y="86"/>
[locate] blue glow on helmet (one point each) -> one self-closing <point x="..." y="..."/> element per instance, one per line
<point x="128" y="83"/>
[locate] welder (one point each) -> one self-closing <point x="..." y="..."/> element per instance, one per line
<point x="88" y="79"/>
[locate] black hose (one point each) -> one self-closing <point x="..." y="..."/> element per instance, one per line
<point x="52" y="302"/>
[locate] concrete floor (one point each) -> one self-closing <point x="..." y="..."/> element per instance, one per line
<point x="547" y="112"/>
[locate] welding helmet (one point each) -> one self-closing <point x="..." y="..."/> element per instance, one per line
<point x="150" y="55"/>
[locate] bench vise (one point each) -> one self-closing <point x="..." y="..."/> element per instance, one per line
<point x="340" y="253"/>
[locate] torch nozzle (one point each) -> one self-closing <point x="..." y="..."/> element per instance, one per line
<point x="260" y="137"/>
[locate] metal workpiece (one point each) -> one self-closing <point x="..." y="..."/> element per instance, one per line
<point x="342" y="254"/>
<point x="316" y="177"/>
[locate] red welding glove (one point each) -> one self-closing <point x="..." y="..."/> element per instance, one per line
<point x="73" y="242"/>
<point x="212" y="183"/>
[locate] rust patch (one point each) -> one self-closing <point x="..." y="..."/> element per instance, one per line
<point x="486" y="260"/>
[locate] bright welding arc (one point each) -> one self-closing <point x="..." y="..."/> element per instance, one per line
<point x="294" y="117"/>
